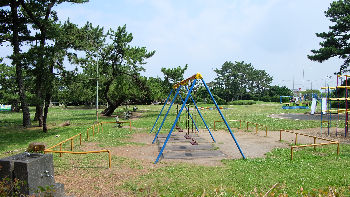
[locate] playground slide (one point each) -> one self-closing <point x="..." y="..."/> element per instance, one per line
<point x="324" y="105"/>
<point x="313" y="106"/>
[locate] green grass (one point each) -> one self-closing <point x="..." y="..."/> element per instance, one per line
<point x="245" y="177"/>
<point x="311" y="172"/>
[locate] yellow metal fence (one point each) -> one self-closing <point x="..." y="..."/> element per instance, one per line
<point x="97" y="127"/>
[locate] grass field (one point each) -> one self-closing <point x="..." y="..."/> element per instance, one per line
<point x="311" y="173"/>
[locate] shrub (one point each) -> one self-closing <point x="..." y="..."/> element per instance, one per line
<point x="242" y="102"/>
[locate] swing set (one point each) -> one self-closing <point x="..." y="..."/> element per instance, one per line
<point x="189" y="82"/>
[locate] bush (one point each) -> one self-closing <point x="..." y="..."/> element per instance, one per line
<point x="242" y="102"/>
<point x="218" y="100"/>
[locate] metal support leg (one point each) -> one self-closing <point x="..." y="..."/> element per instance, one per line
<point x="223" y="118"/>
<point x="161" y="110"/>
<point x="177" y="117"/>
<point x="172" y="102"/>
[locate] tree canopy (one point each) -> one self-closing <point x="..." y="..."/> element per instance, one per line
<point x="119" y="70"/>
<point x="234" y="80"/>
<point x="173" y="75"/>
<point x="335" y="42"/>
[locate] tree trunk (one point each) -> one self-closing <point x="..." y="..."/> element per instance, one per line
<point x="111" y="107"/>
<point x="109" y="110"/>
<point x="40" y="80"/>
<point x="48" y="97"/>
<point x="16" y="52"/>
<point x="14" y="106"/>
<point x="46" y="110"/>
<point x="112" y="104"/>
<point x="39" y="114"/>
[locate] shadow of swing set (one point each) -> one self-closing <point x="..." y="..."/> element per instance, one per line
<point x="189" y="82"/>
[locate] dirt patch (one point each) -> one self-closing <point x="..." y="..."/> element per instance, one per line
<point x="135" y="115"/>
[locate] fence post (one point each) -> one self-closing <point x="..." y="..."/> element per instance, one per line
<point x="281" y="135"/>
<point x="314" y="142"/>
<point x="87" y="133"/>
<point x="296" y="138"/>
<point x="338" y="149"/>
<point x="110" y="159"/>
<point x="266" y="130"/>
<point x="80" y="138"/>
<point x="61" y="149"/>
<point x="256" y="128"/>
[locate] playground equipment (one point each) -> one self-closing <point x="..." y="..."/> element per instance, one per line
<point x="329" y="142"/>
<point x="338" y="99"/>
<point x="187" y="124"/>
<point x="294" y="105"/>
<point x="191" y="81"/>
<point x="281" y="98"/>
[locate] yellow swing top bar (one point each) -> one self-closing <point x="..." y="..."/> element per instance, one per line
<point x="325" y="88"/>
<point x="343" y="75"/>
<point x="185" y="81"/>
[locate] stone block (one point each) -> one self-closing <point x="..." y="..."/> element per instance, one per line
<point x="5" y="169"/>
<point x="34" y="170"/>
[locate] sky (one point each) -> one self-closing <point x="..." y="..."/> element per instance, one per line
<point x="272" y="35"/>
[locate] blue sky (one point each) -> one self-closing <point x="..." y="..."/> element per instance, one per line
<point x="273" y="35"/>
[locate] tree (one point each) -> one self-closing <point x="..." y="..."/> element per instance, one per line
<point x="119" y="69"/>
<point x="158" y="92"/>
<point x="45" y="21"/>
<point x="13" y="29"/>
<point x="260" y="82"/>
<point x="277" y="91"/>
<point x="234" y="80"/>
<point x="173" y="75"/>
<point x="74" y="88"/>
<point x="335" y="42"/>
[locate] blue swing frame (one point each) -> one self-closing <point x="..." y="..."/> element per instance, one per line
<point x="177" y="87"/>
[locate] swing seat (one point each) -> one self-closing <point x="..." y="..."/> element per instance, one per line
<point x="187" y="136"/>
<point x="193" y="141"/>
<point x="179" y="129"/>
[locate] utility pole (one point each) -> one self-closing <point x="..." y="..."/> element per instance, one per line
<point x="97" y="77"/>
<point x="311" y="85"/>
